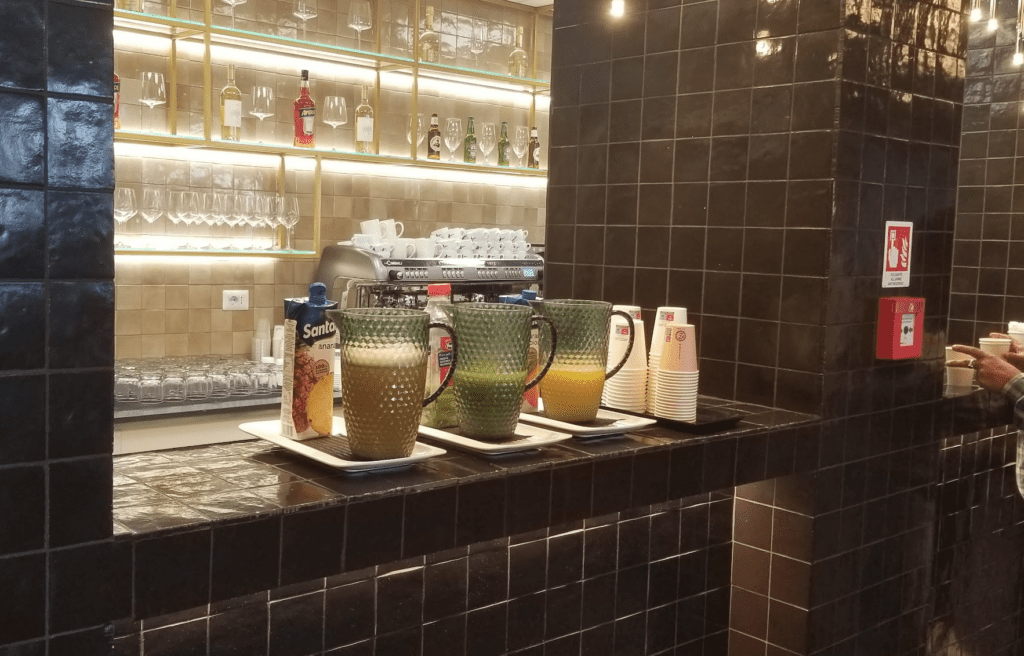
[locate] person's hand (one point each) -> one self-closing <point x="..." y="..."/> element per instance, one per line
<point x="1015" y="346"/>
<point x="1016" y="359"/>
<point x="992" y="372"/>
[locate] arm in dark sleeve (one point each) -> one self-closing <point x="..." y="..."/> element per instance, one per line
<point x="1014" y="393"/>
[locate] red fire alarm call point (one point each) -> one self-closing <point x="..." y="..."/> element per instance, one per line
<point x="900" y="327"/>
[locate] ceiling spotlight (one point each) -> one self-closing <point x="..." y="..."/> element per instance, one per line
<point x="618" y="8"/>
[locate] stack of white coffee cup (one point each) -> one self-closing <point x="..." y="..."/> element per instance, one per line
<point x="482" y="243"/>
<point x="385" y="239"/>
<point x="677" y="374"/>
<point x="627" y="389"/>
<point x="665" y="315"/>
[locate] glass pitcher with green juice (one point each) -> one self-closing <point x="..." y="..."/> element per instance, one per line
<point x="494" y="342"/>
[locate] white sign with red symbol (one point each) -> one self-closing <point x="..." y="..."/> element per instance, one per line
<point x="896" y="254"/>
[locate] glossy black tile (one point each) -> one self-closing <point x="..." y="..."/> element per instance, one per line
<point x="373" y="534"/>
<point x="186" y="639"/>
<point x="481" y="511"/>
<point x="565" y="559"/>
<point x="526" y="621"/>
<point x="486" y="629"/>
<point x="22" y="138"/>
<point x="487" y="577"/>
<point x="232" y="577"/>
<point x="613" y="494"/>
<point x="349" y="613"/>
<point x="80" y="500"/>
<point x="445" y="637"/>
<point x="100" y="572"/>
<point x="24" y="344"/>
<point x="77" y="58"/>
<point x="172" y="573"/>
<point x="24" y="577"/>
<point x="80" y="413"/>
<point x="79" y="144"/>
<point x="563" y="610"/>
<point x="78" y="245"/>
<point x="311" y="544"/>
<point x="23" y="239"/>
<point x="23" y="403"/>
<point x="243" y="630"/>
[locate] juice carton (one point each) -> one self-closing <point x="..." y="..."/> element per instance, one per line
<point x="310" y="340"/>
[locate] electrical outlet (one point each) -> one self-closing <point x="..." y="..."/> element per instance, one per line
<point x="236" y="299"/>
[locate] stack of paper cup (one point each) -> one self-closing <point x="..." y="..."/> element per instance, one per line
<point x="627" y="389"/>
<point x="958" y="376"/>
<point x="664" y="316"/>
<point x="677" y="374"/>
<point x="1015" y="330"/>
<point x="995" y="345"/>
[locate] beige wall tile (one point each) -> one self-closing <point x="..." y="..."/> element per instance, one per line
<point x="200" y="274"/>
<point x="128" y="346"/>
<point x="176" y="322"/>
<point x="153" y="274"/>
<point x="199" y="321"/>
<point x="128" y="273"/>
<point x="178" y="274"/>
<point x="152" y="346"/>
<point x="199" y="343"/>
<point x="241" y="320"/>
<point x="176" y="297"/>
<point x="241" y="342"/>
<point x="152" y="322"/>
<point x="199" y="297"/>
<point x="128" y="297"/>
<point x="127" y="322"/>
<point x="264" y="297"/>
<point x="153" y="297"/>
<point x="175" y="345"/>
<point x="221" y="343"/>
<point x="220" y="320"/>
<point x="264" y="273"/>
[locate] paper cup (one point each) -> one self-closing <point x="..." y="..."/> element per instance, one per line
<point x="994" y="345"/>
<point x="679" y="352"/>
<point x="959" y="376"/>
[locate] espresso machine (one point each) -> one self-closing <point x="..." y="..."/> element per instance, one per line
<point x="359" y="278"/>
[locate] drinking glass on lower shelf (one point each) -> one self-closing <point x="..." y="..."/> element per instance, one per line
<point x="453" y="135"/>
<point x="417" y="122"/>
<point x="521" y="142"/>
<point x="124" y="210"/>
<point x="488" y="139"/>
<point x="335" y="114"/>
<point x="288" y="216"/>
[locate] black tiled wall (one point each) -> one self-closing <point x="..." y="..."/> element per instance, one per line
<point x="641" y="582"/>
<point x="56" y="324"/>
<point x="988" y="254"/>
<point x="692" y="164"/>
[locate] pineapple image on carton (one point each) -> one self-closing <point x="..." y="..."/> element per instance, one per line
<point x="310" y="340"/>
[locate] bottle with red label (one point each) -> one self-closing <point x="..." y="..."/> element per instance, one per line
<point x="305" y="115"/>
<point x="442" y="412"/>
<point x="117" y="102"/>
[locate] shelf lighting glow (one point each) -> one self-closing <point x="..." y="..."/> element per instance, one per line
<point x="1018" y="58"/>
<point x="186" y="259"/>
<point x="210" y="156"/>
<point x="431" y="173"/>
<point x="993" y="25"/>
<point x="287" y="64"/>
<point x="432" y="86"/>
<point x="618" y="8"/>
<point x="975" y="14"/>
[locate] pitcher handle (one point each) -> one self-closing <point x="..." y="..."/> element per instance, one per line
<point x="451" y="369"/>
<point x="551" y="356"/>
<point x="629" y="347"/>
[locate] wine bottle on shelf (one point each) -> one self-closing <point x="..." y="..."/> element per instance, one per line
<point x="534" y="162"/>
<point x="364" y="125"/>
<point x="469" y="144"/>
<point x="519" y="61"/>
<point x="305" y="115"/>
<point x="117" y="102"/>
<point x="231" y="109"/>
<point x="430" y="43"/>
<point x="504" y="145"/>
<point x="434" y="139"/>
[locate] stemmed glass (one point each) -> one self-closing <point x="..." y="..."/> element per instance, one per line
<point x="360" y="19"/>
<point x="154" y="92"/>
<point x="175" y="208"/>
<point x="488" y="139"/>
<point x="187" y="209"/>
<point x="288" y="216"/>
<point x="264" y="215"/>
<point x="335" y="114"/>
<point x="478" y="40"/>
<point x="453" y="135"/>
<point x="152" y="206"/>
<point x="262" y="106"/>
<point x="242" y="209"/>
<point x="219" y="211"/>
<point x="233" y="4"/>
<point x="420" y="134"/>
<point x="232" y="219"/>
<point x="124" y="208"/>
<point x="521" y="143"/>
<point x="305" y="10"/>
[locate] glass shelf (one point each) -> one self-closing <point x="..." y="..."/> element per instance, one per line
<point x="289" y="254"/>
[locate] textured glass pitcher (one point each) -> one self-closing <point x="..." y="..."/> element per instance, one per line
<point x="572" y="389"/>
<point x="494" y="341"/>
<point x="384" y="355"/>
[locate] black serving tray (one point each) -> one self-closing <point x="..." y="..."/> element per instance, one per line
<point x="710" y="419"/>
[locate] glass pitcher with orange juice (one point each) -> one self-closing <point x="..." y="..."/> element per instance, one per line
<point x="571" y="391"/>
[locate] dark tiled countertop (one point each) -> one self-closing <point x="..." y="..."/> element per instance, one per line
<point x="254" y="516"/>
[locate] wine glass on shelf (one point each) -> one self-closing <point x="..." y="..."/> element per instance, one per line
<point x="264" y="215"/>
<point x="219" y="213"/>
<point x="124" y="209"/>
<point x="154" y="92"/>
<point x="478" y="40"/>
<point x="152" y="207"/>
<point x="360" y="19"/>
<point x="288" y="216"/>
<point x="233" y="4"/>
<point x="416" y="121"/>
<point x="190" y="213"/>
<point x="262" y="106"/>
<point x="175" y="207"/>
<point x="335" y="114"/>
<point x="453" y="135"/>
<point x="305" y="10"/>
<point x="232" y="219"/>
<point x="521" y="142"/>
<point x="488" y="139"/>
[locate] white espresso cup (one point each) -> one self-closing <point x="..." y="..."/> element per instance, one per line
<point x="382" y="248"/>
<point x="389" y="228"/>
<point x="401" y="248"/>
<point x="371" y="228"/>
<point x="364" y="242"/>
<point x="426" y="247"/>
